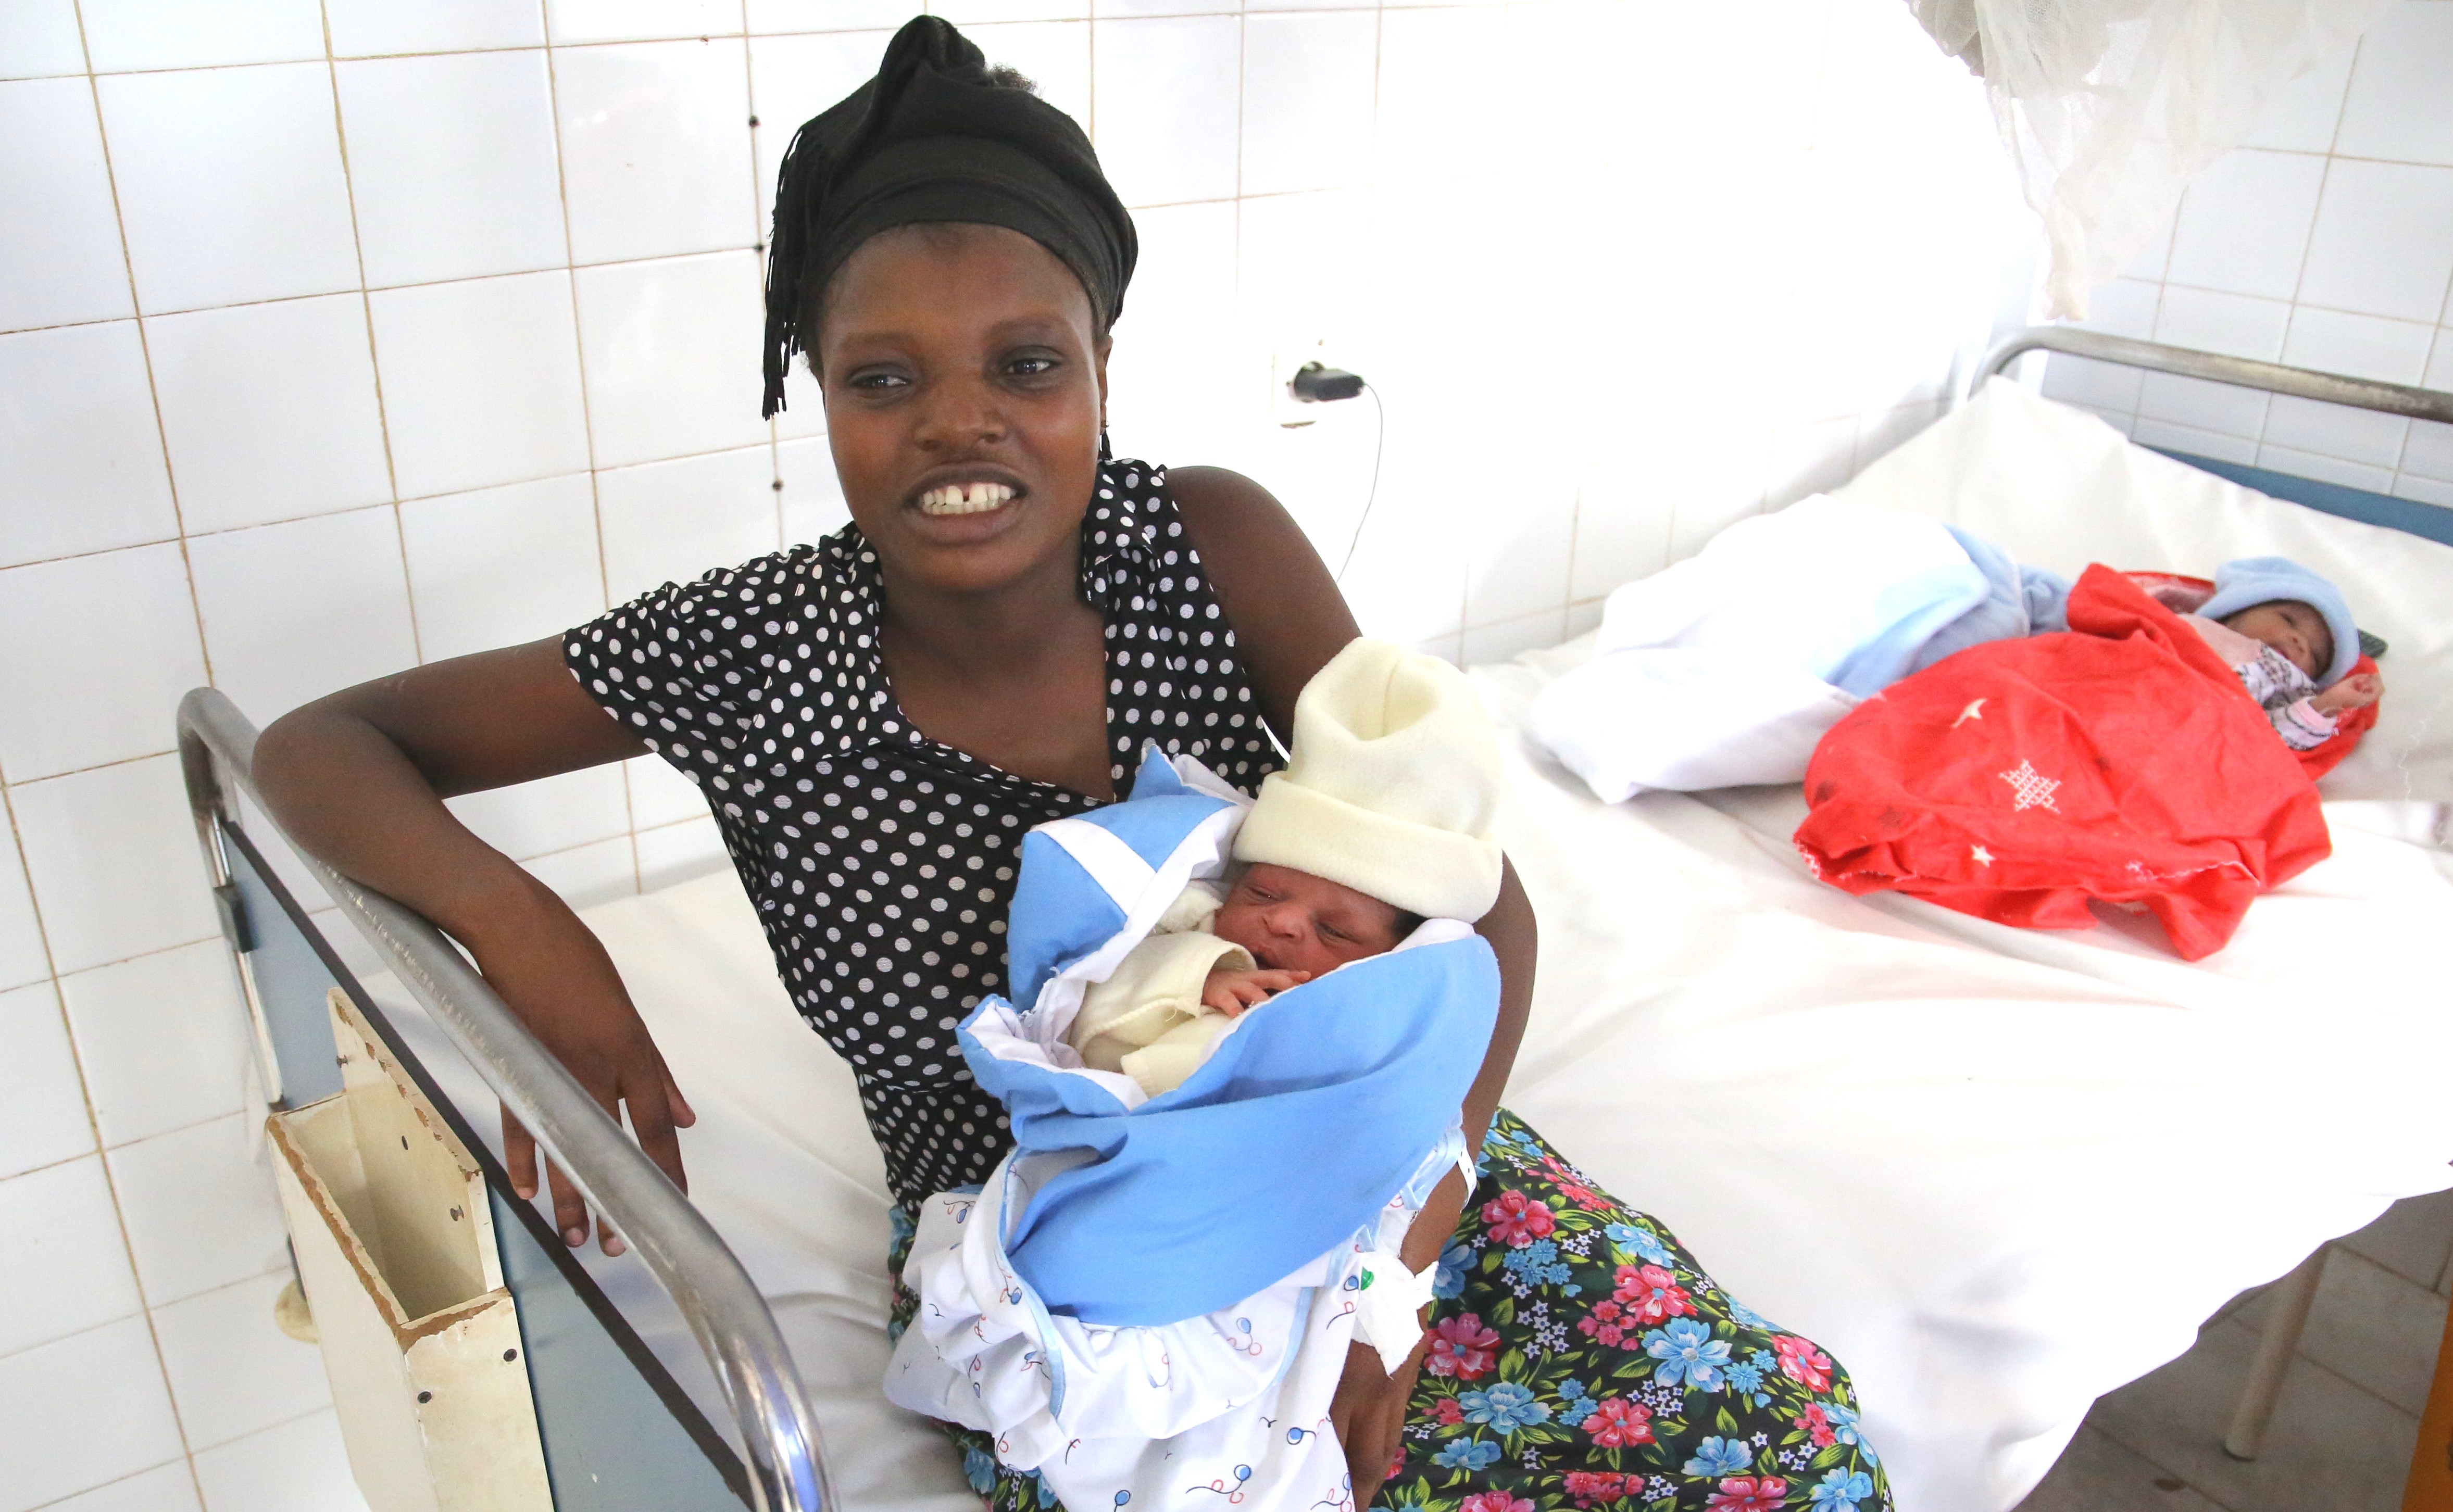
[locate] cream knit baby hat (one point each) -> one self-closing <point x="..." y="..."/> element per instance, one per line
<point x="1393" y="788"/>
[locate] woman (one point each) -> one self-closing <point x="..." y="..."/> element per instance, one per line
<point x="876" y="720"/>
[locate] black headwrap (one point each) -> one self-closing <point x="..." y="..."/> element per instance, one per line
<point x="932" y="138"/>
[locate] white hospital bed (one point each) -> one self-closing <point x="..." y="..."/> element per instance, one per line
<point x="1997" y="1172"/>
<point x="2000" y="1172"/>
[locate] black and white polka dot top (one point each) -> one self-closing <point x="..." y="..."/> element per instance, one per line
<point x="881" y="862"/>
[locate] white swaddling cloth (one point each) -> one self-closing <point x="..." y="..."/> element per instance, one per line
<point x="1236" y="1400"/>
<point x="1147" y="1020"/>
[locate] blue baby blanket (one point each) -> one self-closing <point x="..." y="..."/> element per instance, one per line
<point x="1308" y="1117"/>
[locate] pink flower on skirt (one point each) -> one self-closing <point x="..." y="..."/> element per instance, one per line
<point x="1570" y="1185"/>
<point x="1617" y="1423"/>
<point x="1652" y="1294"/>
<point x="1517" y="1219"/>
<point x="1748" y="1493"/>
<point x="1817" y="1424"/>
<point x="1588" y="1487"/>
<point x="1495" y="1502"/>
<point x="1802" y="1362"/>
<point x="1461" y="1346"/>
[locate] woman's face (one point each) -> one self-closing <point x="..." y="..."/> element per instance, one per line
<point x="965" y="388"/>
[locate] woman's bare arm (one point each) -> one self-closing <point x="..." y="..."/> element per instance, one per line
<point x="1272" y="586"/>
<point x="1289" y="620"/>
<point x="358" y="777"/>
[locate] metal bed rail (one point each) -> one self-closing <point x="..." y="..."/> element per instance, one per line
<point x="2300" y="383"/>
<point x="729" y="1320"/>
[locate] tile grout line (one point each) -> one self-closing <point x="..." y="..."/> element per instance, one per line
<point x="762" y="245"/>
<point x="196" y="609"/>
<point x="145" y="350"/>
<point x="2426" y="363"/>
<point x="354" y="508"/>
<point x="140" y="955"/>
<point x="367" y="310"/>
<point x="16" y="784"/>
<point x="121" y="1479"/>
<point x="2299" y="273"/>
<point x="756" y="243"/>
<point x="103" y="1151"/>
<point x="579" y="354"/>
<point x="251" y="1433"/>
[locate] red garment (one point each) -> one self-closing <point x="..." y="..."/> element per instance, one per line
<point x="2019" y="779"/>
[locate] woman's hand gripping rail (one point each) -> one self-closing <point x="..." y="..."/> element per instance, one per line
<point x="358" y="780"/>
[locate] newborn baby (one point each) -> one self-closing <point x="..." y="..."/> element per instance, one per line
<point x="2289" y="636"/>
<point x="1210" y="959"/>
<point x="1382" y="818"/>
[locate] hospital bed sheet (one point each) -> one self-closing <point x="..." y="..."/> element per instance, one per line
<point x="1997" y="1172"/>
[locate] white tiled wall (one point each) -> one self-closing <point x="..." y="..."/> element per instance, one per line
<point x="2324" y="241"/>
<point x="338" y="336"/>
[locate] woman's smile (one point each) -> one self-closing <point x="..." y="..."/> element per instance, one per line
<point x="967" y="500"/>
<point x="956" y="498"/>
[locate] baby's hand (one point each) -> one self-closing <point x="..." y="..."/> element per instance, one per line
<point x="1232" y="991"/>
<point x="2358" y="690"/>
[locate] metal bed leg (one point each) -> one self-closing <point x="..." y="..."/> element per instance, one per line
<point x="2293" y="1296"/>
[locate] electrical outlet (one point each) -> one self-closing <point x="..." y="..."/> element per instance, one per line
<point x="1284" y="408"/>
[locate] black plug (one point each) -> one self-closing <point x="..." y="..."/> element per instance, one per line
<point x="1313" y="383"/>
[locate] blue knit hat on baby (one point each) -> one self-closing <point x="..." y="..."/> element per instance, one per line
<point x="2255" y="579"/>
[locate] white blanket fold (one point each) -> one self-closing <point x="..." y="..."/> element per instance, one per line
<point x="1725" y="669"/>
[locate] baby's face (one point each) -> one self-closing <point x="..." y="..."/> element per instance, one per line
<point x="2292" y="627"/>
<point x="1292" y="920"/>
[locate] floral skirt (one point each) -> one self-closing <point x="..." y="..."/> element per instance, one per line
<point x="1579" y="1357"/>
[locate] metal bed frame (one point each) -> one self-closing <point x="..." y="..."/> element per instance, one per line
<point x="620" y="1434"/>
<point x="2299" y="383"/>
<point x="2297" y="1291"/>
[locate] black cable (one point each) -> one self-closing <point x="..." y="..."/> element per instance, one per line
<point x="1379" y="442"/>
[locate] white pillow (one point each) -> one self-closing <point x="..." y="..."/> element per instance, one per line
<point x="2058" y="487"/>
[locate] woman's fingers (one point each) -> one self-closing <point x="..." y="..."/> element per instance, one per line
<point x="1358" y="1412"/>
<point x="570" y="1208"/>
<point x="519" y="1156"/>
<point x="651" y="1103"/>
<point x="656" y="1109"/>
<point x="1387" y="1444"/>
